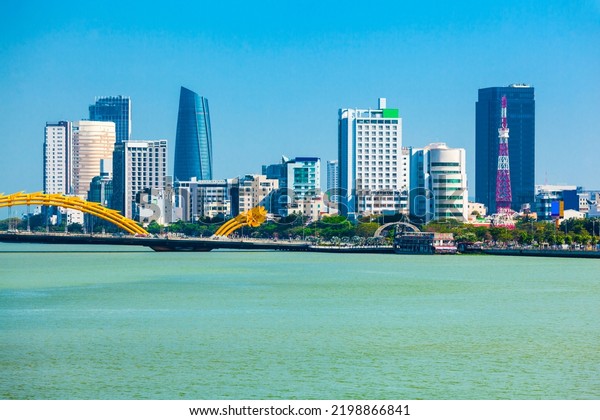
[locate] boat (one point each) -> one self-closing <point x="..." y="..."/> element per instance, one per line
<point x="424" y="243"/>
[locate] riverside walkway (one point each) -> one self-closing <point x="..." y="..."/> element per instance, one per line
<point x="156" y="243"/>
<point x="177" y="244"/>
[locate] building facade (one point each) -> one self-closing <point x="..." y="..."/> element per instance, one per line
<point x="251" y="191"/>
<point x="303" y="175"/>
<point x="333" y="180"/>
<point x="193" y="141"/>
<point x="438" y="181"/>
<point x="93" y="141"/>
<point x="58" y="149"/>
<point x="101" y="187"/>
<point x="138" y="165"/>
<point x="552" y="200"/>
<point x="521" y="144"/>
<point x="372" y="178"/>
<point x="299" y="179"/>
<point x="116" y="109"/>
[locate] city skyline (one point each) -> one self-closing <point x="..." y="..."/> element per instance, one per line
<point x="266" y="85"/>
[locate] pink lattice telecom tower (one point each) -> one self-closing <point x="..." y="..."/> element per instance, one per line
<point x="503" y="190"/>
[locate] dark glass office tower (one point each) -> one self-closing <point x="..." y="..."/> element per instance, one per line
<point x="521" y="144"/>
<point x="193" y="142"/>
<point x="116" y="109"/>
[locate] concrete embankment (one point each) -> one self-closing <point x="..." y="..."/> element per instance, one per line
<point x="353" y="249"/>
<point x="561" y="253"/>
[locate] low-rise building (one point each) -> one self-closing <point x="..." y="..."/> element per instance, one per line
<point x="476" y="210"/>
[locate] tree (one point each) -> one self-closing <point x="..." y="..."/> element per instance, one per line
<point x="366" y="230"/>
<point x="154" y="227"/>
<point x="75" y="228"/>
<point x="466" y="237"/>
<point x="505" y="235"/>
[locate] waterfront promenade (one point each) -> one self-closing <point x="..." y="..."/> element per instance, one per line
<point x="179" y="244"/>
<point x="155" y="243"/>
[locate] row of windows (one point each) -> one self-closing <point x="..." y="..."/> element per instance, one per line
<point x="366" y="183"/>
<point x="386" y="121"/>
<point x="377" y="156"/>
<point x="445" y="164"/>
<point x="157" y="159"/>
<point x="374" y="167"/>
<point x="447" y="188"/>
<point x="373" y="174"/>
<point x="387" y="139"/>
<point x="447" y="181"/>
<point x="138" y="186"/>
<point x="387" y="146"/>
<point x="449" y="197"/>
<point x="448" y="214"/>
<point x="450" y="206"/>
<point x="374" y="133"/>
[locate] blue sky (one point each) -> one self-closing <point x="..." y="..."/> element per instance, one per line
<point x="276" y="72"/>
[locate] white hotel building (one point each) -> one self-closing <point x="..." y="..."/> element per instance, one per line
<point x="438" y="181"/>
<point x="137" y="165"/>
<point x="58" y="149"/>
<point x="373" y="170"/>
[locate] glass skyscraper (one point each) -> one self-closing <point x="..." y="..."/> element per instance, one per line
<point x="193" y="142"/>
<point x="521" y="144"/>
<point x="116" y="109"/>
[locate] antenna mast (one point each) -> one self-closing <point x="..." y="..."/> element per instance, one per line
<point x="503" y="189"/>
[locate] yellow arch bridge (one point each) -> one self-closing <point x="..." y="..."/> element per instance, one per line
<point x="253" y="217"/>
<point x="75" y="203"/>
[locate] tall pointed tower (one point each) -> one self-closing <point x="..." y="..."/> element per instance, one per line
<point x="193" y="142"/>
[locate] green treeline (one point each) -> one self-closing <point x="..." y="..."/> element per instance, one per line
<point x="337" y="229"/>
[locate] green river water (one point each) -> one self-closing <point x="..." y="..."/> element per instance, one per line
<point x="109" y="323"/>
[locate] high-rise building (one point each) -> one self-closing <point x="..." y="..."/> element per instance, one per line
<point x="372" y="170"/>
<point x="277" y="171"/>
<point x="299" y="180"/>
<point x="302" y="187"/>
<point x="303" y="176"/>
<point x="101" y="185"/>
<point x="210" y="198"/>
<point x="251" y="191"/>
<point x="201" y="199"/>
<point x="93" y="141"/>
<point x="193" y="141"/>
<point x="58" y="145"/>
<point x="438" y="183"/>
<point x="333" y="180"/>
<point x="138" y="165"/>
<point x="116" y="109"/>
<point x="521" y="121"/>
